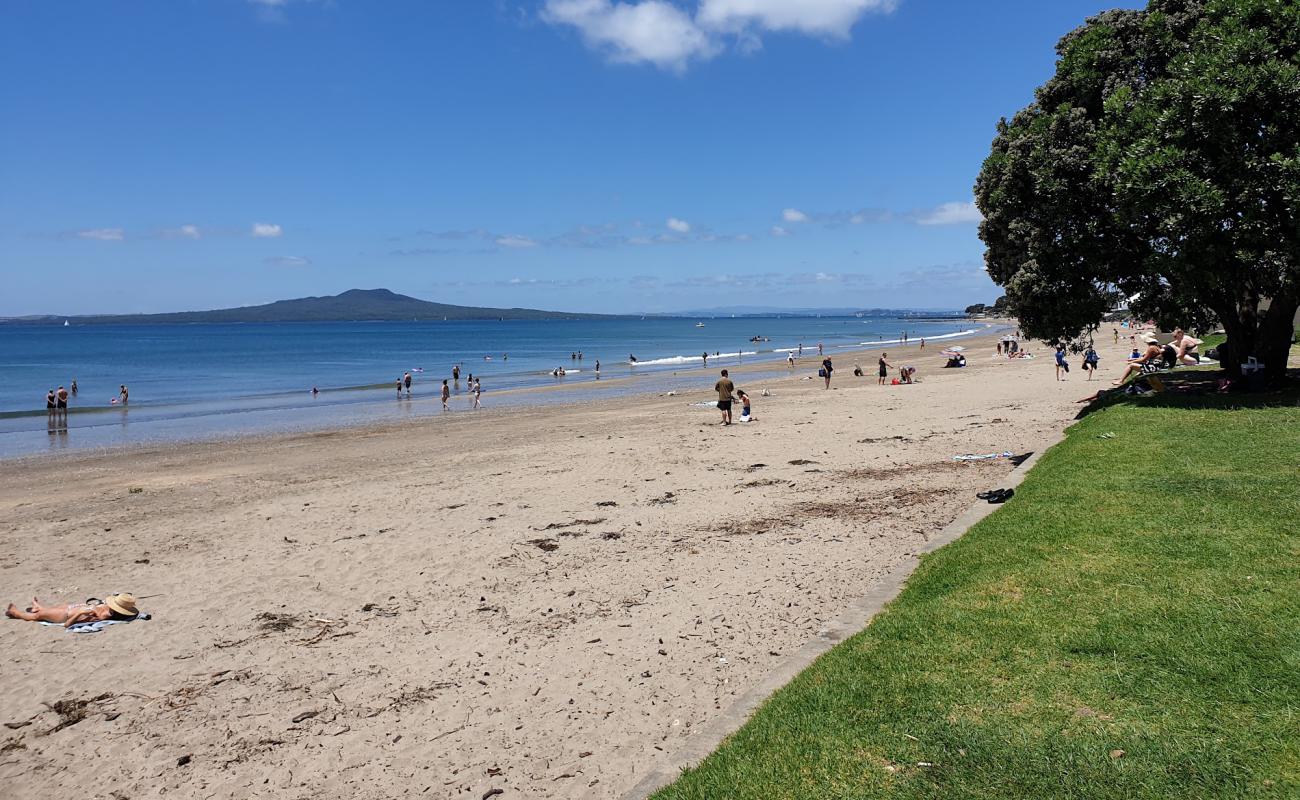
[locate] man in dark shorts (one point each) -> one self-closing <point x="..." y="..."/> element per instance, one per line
<point x="884" y="368"/>
<point x="61" y="400"/>
<point x="725" y="389"/>
<point x="49" y="401"/>
<point x="406" y="381"/>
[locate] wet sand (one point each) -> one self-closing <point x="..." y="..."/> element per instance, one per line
<point x="545" y="601"/>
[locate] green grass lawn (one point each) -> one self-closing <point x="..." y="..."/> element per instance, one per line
<point x="1128" y="626"/>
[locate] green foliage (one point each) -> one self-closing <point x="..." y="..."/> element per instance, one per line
<point x="1161" y="162"/>
<point x="1127" y="627"/>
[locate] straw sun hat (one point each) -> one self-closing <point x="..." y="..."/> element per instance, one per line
<point x="1149" y="339"/>
<point x="122" y="603"/>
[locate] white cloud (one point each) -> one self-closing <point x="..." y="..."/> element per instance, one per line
<point x="794" y="215"/>
<point x="518" y="242"/>
<point x="265" y="230"/>
<point x="678" y="225"/>
<point x="183" y="232"/>
<point x="289" y="261"/>
<point x="833" y="18"/>
<point x="950" y="214"/>
<point x="670" y="37"/>
<point x="650" y="31"/>
<point x="778" y="231"/>
<point x="103" y="234"/>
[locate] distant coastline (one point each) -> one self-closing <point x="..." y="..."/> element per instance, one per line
<point x="383" y="305"/>
<point x="354" y="305"/>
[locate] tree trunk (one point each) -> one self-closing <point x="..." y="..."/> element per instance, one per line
<point x="1265" y="336"/>
<point x="1277" y="329"/>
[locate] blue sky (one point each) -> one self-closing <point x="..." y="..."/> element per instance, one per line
<point x="574" y="154"/>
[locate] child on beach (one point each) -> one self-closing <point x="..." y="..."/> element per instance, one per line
<point x="1061" y="363"/>
<point x="115" y="606"/>
<point x="745" y="407"/>
<point x="446" y="394"/>
<point x="478" y="393"/>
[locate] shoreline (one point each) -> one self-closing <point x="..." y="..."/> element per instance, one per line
<point x="549" y="606"/>
<point x="375" y="412"/>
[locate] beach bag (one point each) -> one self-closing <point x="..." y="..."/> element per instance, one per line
<point x="821" y="373"/>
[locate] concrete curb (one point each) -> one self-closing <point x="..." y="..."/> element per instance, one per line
<point x="707" y="737"/>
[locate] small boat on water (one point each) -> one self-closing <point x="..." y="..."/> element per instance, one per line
<point x="699" y="324"/>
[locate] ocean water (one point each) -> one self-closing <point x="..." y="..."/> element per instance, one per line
<point x="198" y="381"/>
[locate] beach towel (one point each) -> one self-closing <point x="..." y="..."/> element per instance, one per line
<point x="97" y="625"/>
<point x="969" y="457"/>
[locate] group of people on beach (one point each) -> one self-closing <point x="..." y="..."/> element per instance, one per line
<point x="729" y="394"/>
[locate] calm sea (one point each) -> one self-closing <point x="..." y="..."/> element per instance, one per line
<point x="198" y="381"/>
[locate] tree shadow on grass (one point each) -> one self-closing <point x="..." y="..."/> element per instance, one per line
<point x="1197" y="389"/>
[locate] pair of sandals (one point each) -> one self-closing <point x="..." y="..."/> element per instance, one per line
<point x="996" y="495"/>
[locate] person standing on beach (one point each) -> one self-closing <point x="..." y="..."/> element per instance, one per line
<point x="49" y="402"/>
<point x="399" y="388"/>
<point x="74" y="387"/>
<point x="123" y="394"/>
<point x="61" y="402"/>
<point x="922" y="345"/>
<point x="478" y="393"/>
<point x="446" y="394"/>
<point x="406" y="379"/>
<point x="789" y="357"/>
<point x="725" y="389"/>
<point x="801" y="348"/>
<point x="883" y="372"/>
<point x="1061" y="364"/>
<point x="819" y="348"/>
<point x="598" y="369"/>
<point x="827" y="369"/>
<point x="455" y="373"/>
<point x="705" y="356"/>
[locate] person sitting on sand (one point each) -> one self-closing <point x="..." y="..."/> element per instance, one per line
<point x="115" y="607"/>
<point x="1150" y="361"/>
<point x="857" y="370"/>
<point x="745" y="408"/>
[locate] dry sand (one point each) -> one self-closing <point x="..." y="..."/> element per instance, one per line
<point x="544" y="602"/>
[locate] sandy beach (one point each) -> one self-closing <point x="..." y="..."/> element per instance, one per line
<point x="543" y="601"/>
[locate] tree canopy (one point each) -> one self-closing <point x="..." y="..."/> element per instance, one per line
<point x="1160" y="166"/>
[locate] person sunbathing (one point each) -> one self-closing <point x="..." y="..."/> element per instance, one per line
<point x="120" y="607"/>
<point x="1150" y="361"/>
<point x="1185" y="351"/>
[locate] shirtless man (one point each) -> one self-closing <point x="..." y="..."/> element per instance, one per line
<point x="446" y="394"/>
<point x="117" y="606"/>
<point x="406" y="381"/>
<point x="1185" y="347"/>
<point x="123" y="393"/>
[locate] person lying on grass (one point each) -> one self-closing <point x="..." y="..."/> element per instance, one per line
<point x="1149" y="361"/>
<point x="120" y="607"/>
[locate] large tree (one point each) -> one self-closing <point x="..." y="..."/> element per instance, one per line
<point x="1159" y="165"/>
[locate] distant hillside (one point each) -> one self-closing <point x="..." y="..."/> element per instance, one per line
<point x="353" y="305"/>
